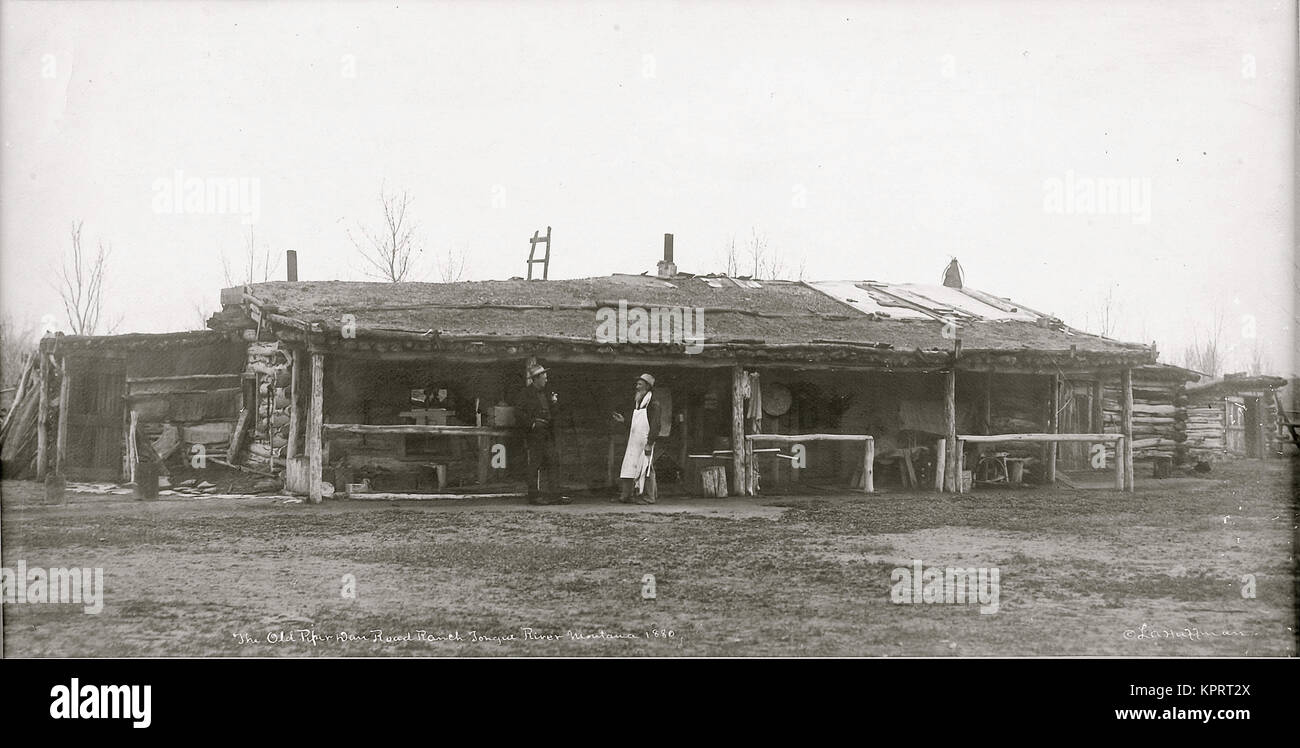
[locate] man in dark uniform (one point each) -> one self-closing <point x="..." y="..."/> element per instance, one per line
<point x="537" y="406"/>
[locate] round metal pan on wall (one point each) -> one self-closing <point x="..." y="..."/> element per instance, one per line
<point x="776" y="399"/>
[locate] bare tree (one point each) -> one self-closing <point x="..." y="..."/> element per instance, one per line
<point x="1206" y="354"/>
<point x="767" y="262"/>
<point x="451" y="266"/>
<point x="390" y="249"/>
<point x="1259" y="363"/>
<point x="81" y="286"/>
<point x="17" y="341"/>
<point x="1107" y="314"/>
<point x="731" y="265"/>
<point x="259" y="264"/>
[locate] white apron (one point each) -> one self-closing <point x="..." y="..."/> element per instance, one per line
<point x="634" y="459"/>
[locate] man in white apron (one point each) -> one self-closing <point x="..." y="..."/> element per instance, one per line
<point x="639" y="457"/>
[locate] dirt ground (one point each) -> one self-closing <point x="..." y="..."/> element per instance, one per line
<point x="1168" y="571"/>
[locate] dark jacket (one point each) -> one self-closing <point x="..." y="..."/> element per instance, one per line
<point x="536" y="412"/>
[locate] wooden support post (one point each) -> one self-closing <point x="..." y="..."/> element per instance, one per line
<point x="952" y="479"/>
<point x="295" y="411"/>
<point x="868" y="467"/>
<point x="1119" y="465"/>
<point x="43" y="416"/>
<point x="1053" y="427"/>
<point x="738" y="432"/>
<point x="484" y="458"/>
<point x="988" y="403"/>
<point x="1127" y="427"/>
<point x="315" y="417"/>
<point x="940" y="460"/>
<point x="682" y="451"/>
<point x="61" y="441"/>
<point x="961" y="466"/>
<point x="1097" y="422"/>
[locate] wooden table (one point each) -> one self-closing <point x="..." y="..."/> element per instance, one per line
<point x="482" y="433"/>
<point x="1122" y="480"/>
<point x="869" y="453"/>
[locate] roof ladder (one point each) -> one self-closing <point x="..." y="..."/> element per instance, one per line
<point x="532" y="252"/>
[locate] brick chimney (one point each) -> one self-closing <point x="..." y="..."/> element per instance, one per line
<point x="667" y="268"/>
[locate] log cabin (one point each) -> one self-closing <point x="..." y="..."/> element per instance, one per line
<point x="406" y="390"/>
<point x="1236" y="416"/>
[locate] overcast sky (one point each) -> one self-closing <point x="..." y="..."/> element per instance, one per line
<point x="861" y="140"/>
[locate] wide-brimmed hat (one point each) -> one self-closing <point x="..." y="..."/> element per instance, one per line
<point x="648" y="379"/>
<point x="535" y="370"/>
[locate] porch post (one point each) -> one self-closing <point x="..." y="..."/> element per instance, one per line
<point x="43" y="415"/>
<point x="61" y="441"/>
<point x="739" y="487"/>
<point x="1098" y="406"/>
<point x="951" y="479"/>
<point x="295" y="411"/>
<point x="314" y="420"/>
<point x="988" y="402"/>
<point x="1053" y="427"/>
<point x="1126" y="427"/>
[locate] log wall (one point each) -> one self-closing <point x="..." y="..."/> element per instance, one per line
<point x="1160" y="417"/>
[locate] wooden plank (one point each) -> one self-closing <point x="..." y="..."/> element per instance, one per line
<point x="43" y="417"/>
<point x="738" y="432"/>
<point x="940" y="460"/>
<point x="952" y="479"/>
<point x="1126" y="426"/>
<point x="994" y="438"/>
<point x="237" y="436"/>
<point x="683" y="445"/>
<point x="207" y="378"/>
<point x="22" y="390"/>
<point x="315" y="417"/>
<point x="132" y="450"/>
<point x="1119" y="464"/>
<point x="61" y="441"/>
<point x="960" y="466"/>
<point x="412" y="428"/>
<point x="295" y="410"/>
<point x="434" y="496"/>
<point x="1053" y="427"/>
<point x="988" y="402"/>
<point x="869" y="467"/>
<point x="751" y="474"/>
<point x="791" y="438"/>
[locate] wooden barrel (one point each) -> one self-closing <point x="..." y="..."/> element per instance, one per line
<point x="713" y="480"/>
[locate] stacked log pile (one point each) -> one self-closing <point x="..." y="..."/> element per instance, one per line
<point x="273" y="366"/>
<point x="1206" y="431"/>
<point x="1159" y="418"/>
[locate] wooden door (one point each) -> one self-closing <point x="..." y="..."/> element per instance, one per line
<point x="1253" y="428"/>
<point x="95" y="417"/>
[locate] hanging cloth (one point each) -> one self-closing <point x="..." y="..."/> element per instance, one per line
<point x="754" y="410"/>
